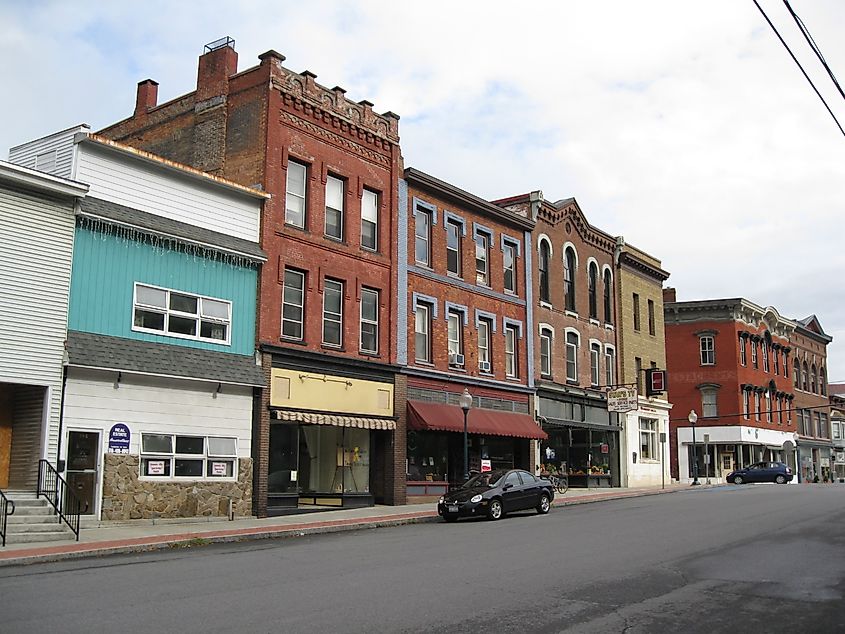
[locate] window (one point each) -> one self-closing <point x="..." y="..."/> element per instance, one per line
<point x="780" y="410"/>
<point x="768" y="407"/>
<point x="422" y="330"/>
<point x="482" y="258"/>
<point x="636" y="301"/>
<point x="484" y="330"/>
<point x="746" y="402"/>
<point x="295" y="195"/>
<point x="742" y="358"/>
<point x="334" y="208"/>
<point x="764" y="346"/>
<point x="822" y="382"/>
<point x="456" y="343"/>
<point x="569" y="265"/>
<point x="648" y="439"/>
<point x="544" y="271"/>
<point x="837" y="433"/>
<point x="369" y="321"/>
<point x="369" y="220"/>
<point x="651" y="325"/>
<point x="195" y="457"/>
<point x="422" y="236"/>
<point x="638" y="370"/>
<point x="333" y="312"/>
<point x="572" y="357"/>
<point x="813" y="379"/>
<point x="546" y="352"/>
<point x="821" y="424"/>
<point x="785" y="364"/>
<point x="756" y="405"/>
<point x="162" y="311"/>
<point x="292" y="304"/>
<point x="592" y="283"/>
<point x="708" y="403"/>
<point x="608" y="293"/>
<point x="754" y="354"/>
<point x="708" y="351"/>
<point x="775" y="363"/>
<point x="804" y="377"/>
<point x="453" y="247"/>
<point x="595" y="357"/>
<point x="796" y="374"/>
<point x="509" y="265"/>
<point x="511" y="361"/>
<point x="609" y="366"/>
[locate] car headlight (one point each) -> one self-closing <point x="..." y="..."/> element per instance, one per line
<point x="441" y="499"/>
<point x="475" y="499"/>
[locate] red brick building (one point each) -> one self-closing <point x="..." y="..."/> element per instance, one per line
<point x="465" y="273"/>
<point x="730" y="361"/>
<point x="574" y="338"/>
<point x="326" y="426"/>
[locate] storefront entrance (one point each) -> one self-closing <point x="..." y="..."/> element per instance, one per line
<point x="83" y="465"/>
<point x="590" y="456"/>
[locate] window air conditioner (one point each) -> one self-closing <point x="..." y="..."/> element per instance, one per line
<point x="729" y="448"/>
<point x="484" y="366"/>
<point x="456" y="359"/>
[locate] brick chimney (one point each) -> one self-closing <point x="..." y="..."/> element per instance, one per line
<point x="216" y="65"/>
<point x="669" y="295"/>
<point x="147" y="96"/>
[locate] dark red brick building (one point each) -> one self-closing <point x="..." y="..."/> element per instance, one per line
<point x="326" y="429"/>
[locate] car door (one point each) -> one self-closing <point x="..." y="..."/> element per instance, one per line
<point x="755" y="472"/>
<point x="511" y="492"/>
<point x="531" y="488"/>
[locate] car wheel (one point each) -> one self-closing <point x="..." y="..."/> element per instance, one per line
<point x="495" y="512"/>
<point x="450" y="518"/>
<point x="544" y="505"/>
<point x="737" y="479"/>
<point x="780" y="479"/>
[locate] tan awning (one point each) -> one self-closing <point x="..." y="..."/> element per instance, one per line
<point x="315" y="418"/>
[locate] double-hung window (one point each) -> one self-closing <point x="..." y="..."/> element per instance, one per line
<point x="333" y="312"/>
<point x="295" y="194"/>
<point x="569" y="265"/>
<point x="509" y="264"/>
<point x="511" y="356"/>
<point x="636" y="299"/>
<point x="776" y="361"/>
<point x="652" y="328"/>
<point x="546" y="352"/>
<point x="571" y="357"/>
<point x="183" y="315"/>
<point x="369" y="321"/>
<point x="453" y="247"/>
<point x="707" y="350"/>
<point x="595" y="357"/>
<point x="610" y="366"/>
<point x="757" y="406"/>
<point x="422" y="236"/>
<point x="592" y="289"/>
<point x="608" y="305"/>
<point x="167" y="456"/>
<point x="334" y="208"/>
<point x="422" y="333"/>
<point x="369" y="220"/>
<point x="708" y="402"/>
<point x="484" y="356"/>
<point x="754" y="354"/>
<point x="648" y="439"/>
<point x="745" y="403"/>
<point x="482" y="259"/>
<point x="742" y="356"/>
<point x="543" y="266"/>
<point x="293" y="301"/>
<point x="456" y="339"/>
<point x="765" y="349"/>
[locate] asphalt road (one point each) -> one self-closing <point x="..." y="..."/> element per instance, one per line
<point x="758" y="558"/>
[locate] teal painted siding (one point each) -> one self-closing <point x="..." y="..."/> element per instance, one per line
<point x="106" y="267"/>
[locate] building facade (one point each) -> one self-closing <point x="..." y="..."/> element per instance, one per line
<point x="327" y="291"/>
<point x="575" y="316"/>
<point x="812" y="405"/>
<point x="641" y="345"/>
<point x="837" y="429"/>
<point x="160" y="367"/>
<point x="465" y="323"/>
<point x="729" y="361"/>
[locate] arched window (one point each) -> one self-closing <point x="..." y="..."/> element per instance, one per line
<point x="569" y="265"/>
<point x="813" y="388"/>
<point x="608" y="306"/>
<point x="822" y="382"/>
<point x="805" y="381"/>
<point x="796" y="373"/>
<point x="593" y="282"/>
<point x="544" y="271"/>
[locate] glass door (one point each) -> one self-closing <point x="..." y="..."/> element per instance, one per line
<point x="83" y="461"/>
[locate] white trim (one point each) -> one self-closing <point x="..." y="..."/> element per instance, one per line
<point x="542" y="326"/>
<point x="566" y="245"/>
<point x="168" y="310"/>
<point x="544" y="238"/>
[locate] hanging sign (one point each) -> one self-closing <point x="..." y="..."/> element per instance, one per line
<point x="119" y="436"/>
<point x="622" y="399"/>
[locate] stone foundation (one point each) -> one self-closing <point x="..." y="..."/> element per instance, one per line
<point x="126" y="497"/>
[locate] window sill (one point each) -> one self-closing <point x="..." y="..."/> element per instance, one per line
<point x="369" y="355"/>
<point x="425" y="364"/>
<point x="512" y="293"/>
<point x="609" y="326"/>
<point x="332" y="347"/>
<point x="288" y="225"/>
<point x="546" y="305"/>
<point x="488" y="375"/>
<point x="458" y="368"/>
<point x="570" y="313"/>
<point x="454" y="276"/>
<point x="296" y="342"/>
<point x="423" y="265"/>
<point x="514" y="379"/>
<point x="334" y="239"/>
<point x="595" y="322"/>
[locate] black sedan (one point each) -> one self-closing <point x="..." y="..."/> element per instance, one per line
<point x="776" y="472"/>
<point x="494" y="493"/>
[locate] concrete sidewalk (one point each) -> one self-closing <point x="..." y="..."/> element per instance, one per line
<point x="127" y="537"/>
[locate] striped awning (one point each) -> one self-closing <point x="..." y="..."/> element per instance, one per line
<point x="337" y="420"/>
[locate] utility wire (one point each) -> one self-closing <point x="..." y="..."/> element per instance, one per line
<point x="806" y="32"/>
<point x="786" y="46"/>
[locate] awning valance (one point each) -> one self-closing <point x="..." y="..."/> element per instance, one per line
<point x="424" y="416"/>
<point x="338" y="420"/>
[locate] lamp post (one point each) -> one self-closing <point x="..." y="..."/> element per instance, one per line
<point x="466" y="403"/>
<point x="692" y="418"/>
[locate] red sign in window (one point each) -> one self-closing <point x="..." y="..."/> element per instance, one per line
<point x="655" y="382"/>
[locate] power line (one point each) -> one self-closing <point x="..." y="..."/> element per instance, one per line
<point x="806" y="32"/>
<point x="786" y="46"/>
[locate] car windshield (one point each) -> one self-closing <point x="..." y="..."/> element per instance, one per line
<point x="486" y="479"/>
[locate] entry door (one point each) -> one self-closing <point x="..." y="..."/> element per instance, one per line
<point x="83" y="462"/>
<point x="727" y="462"/>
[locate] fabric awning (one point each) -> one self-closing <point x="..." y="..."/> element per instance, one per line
<point x="424" y="416"/>
<point x="316" y="418"/>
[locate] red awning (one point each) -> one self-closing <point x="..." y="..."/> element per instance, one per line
<point x="424" y="416"/>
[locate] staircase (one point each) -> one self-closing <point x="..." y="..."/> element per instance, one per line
<point x="34" y="520"/>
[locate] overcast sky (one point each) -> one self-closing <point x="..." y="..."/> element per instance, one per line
<point x="683" y="126"/>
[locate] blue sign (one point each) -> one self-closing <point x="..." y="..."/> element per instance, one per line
<point x="119" y="438"/>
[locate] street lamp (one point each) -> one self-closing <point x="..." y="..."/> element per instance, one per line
<point x="466" y="403"/>
<point x="692" y="418"/>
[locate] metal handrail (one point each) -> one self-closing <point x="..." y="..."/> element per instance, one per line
<point x="5" y="505"/>
<point x="53" y="487"/>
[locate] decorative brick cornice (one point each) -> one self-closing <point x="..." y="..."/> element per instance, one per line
<point x="332" y="137"/>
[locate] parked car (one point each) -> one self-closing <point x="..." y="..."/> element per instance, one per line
<point x="494" y="493"/>
<point x="761" y="472"/>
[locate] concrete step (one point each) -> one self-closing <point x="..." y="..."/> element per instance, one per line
<point x="29" y="538"/>
<point x="43" y="518"/>
<point x="13" y="529"/>
<point x="32" y="511"/>
<point x="20" y="503"/>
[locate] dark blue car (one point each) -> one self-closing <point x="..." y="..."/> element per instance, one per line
<point x="776" y="472"/>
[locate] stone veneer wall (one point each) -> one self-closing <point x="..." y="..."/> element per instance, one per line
<point x="126" y="497"/>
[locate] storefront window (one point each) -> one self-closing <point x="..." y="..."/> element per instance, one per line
<point x="284" y="447"/>
<point x="428" y="456"/>
<point x="334" y="459"/>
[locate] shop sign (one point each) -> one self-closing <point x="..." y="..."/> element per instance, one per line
<point x="622" y="399"/>
<point x="840" y="456"/>
<point x="155" y="467"/>
<point x="486" y="466"/>
<point x="825" y="462"/>
<point x="219" y="469"/>
<point x="119" y="439"/>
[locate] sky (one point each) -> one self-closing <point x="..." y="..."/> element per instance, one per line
<point x="682" y="125"/>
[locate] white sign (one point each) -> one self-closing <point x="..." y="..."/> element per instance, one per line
<point x="825" y="462"/>
<point x="622" y="399"/>
<point x="840" y="456"/>
<point x="486" y="466"/>
<point x="293" y="475"/>
<point x="155" y="467"/>
<point x="219" y="469"/>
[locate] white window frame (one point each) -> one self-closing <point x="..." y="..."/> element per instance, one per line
<point x="200" y="317"/>
<point x="572" y="356"/>
<point x="757" y="406"/>
<point x="746" y="402"/>
<point x="482" y="277"/>
<point x="707" y="354"/>
<point x="593" y="289"/>
<point x="333" y="317"/>
<point x="454" y="225"/>
<point x="291" y="215"/>
<point x="595" y="363"/>
<point x="300" y="306"/>
<point x="709" y="402"/>
<point x="369" y="322"/>
<point x="422" y="315"/>
<point x="610" y="365"/>
<point x="765" y="350"/>
<point x="369" y="216"/>
<point x="546" y="352"/>
<point x="648" y="439"/>
<point x="754" y="361"/>
<point x="170" y="458"/>
<point x="743" y="358"/>
<point x="509" y="251"/>
<point x="341" y="211"/>
<point x="511" y="355"/>
<point x="455" y="334"/>
<point x="422" y="239"/>
<point x="484" y="332"/>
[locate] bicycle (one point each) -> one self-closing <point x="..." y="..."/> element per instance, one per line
<point x="560" y="482"/>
